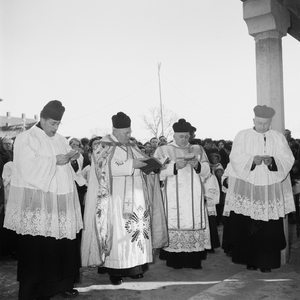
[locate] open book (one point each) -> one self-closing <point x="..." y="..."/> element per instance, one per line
<point x="154" y="164"/>
<point x="188" y="157"/>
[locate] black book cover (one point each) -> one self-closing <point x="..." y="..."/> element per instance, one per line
<point x="152" y="164"/>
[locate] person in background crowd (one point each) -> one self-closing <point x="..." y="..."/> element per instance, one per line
<point x="148" y="148"/>
<point x="6" y="175"/>
<point x="220" y="144"/>
<point x="214" y="146"/>
<point x="8" y="238"/>
<point x="6" y="155"/>
<point x="215" y="159"/>
<point x="224" y="153"/>
<point x="85" y="147"/>
<point x="140" y="145"/>
<point x="295" y="173"/>
<point x="228" y="223"/>
<point x="212" y="198"/>
<point x="219" y="171"/>
<point x="117" y="232"/>
<point x="43" y="208"/>
<point x="7" y="149"/>
<point x="142" y="148"/>
<point x="162" y="140"/>
<point x="154" y="145"/>
<point x="196" y="141"/>
<point x="93" y="144"/>
<point x="207" y="143"/>
<point x="228" y="147"/>
<point x="259" y="193"/>
<point x="295" y="147"/>
<point x="211" y="195"/>
<point x="85" y="144"/>
<point x="208" y="147"/>
<point x="295" y="179"/>
<point x="1" y="203"/>
<point x="287" y="134"/>
<point x="187" y="218"/>
<point x="77" y="165"/>
<point x="76" y="145"/>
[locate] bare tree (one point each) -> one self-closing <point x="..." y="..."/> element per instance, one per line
<point x="152" y="121"/>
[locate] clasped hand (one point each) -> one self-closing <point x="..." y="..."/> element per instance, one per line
<point x="180" y="164"/>
<point x="62" y="159"/>
<point x="138" y="163"/>
<point x="259" y="159"/>
<point x="267" y="160"/>
<point x="193" y="163"/>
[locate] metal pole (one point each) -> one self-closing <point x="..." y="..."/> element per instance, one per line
<point x="161" y="110"/>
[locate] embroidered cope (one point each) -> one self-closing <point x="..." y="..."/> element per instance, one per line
<point x="117" y="216"/>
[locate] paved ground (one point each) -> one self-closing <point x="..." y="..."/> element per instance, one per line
<point x="219" y="279"/>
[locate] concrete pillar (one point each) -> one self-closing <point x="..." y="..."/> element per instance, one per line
<point x="269" y="74"/>
<point x="268" y="21"/>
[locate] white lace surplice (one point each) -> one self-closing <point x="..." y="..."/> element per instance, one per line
<point x="261" y="194"/>
<point x="43" y="199"/>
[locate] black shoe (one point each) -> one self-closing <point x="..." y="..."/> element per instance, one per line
<point x="264" y="270"/>
<point x="251" y="267"/>
<point x="138" y="276"/>
<point x="115" y="280"/>
<point x="70" y="293"/>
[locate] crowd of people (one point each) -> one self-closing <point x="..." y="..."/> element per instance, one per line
<point x="71" y="203"/>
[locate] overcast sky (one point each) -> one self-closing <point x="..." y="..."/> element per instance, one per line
<point x="101" y="56"/>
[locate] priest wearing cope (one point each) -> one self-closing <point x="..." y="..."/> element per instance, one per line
<point x="259" y="193"/>
<point x="117" y="232"/>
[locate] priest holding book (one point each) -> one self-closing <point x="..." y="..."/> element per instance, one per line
<point x="117" y="232"/>
<point x="183" y="195"/>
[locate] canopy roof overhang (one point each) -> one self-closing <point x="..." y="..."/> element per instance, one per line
<point x="294" y="8"/>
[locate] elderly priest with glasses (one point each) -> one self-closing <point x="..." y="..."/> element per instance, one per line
<point x="259" y="194"/>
